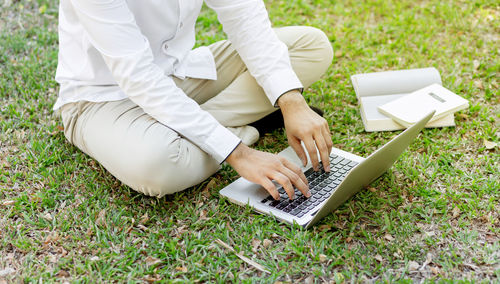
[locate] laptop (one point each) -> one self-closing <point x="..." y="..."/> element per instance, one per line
<point x="349" y="174"/>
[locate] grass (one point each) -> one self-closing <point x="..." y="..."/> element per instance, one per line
<point x="434" y="216"/>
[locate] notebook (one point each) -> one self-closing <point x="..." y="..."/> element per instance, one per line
<point x="378" y="88"/>
<point x="408" y="109"/>
<point x="350" y="173"/>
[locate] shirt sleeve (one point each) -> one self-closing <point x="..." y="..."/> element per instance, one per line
<point x="248" y="27"/>
<point x="112" y="30"/>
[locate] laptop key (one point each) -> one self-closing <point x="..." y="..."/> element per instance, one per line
<point x="326" y="191"/>
<point x="266" y="199"/>
<point x="309" y="171"/>
<point x="302" y="199"/>
<point x="311" y="207"/>
<point x="332" y="186"/>
<point x="314" y="189"/>
<point x="337" y="160"/>
<point x="282" y="204"/>
<point x="274" y="203"/>
<point x="308" y="202"/>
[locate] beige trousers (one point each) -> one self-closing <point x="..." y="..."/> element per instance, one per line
<point x="155" y="160"/>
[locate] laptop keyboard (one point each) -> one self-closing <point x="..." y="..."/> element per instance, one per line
<point x="321" y="185"/>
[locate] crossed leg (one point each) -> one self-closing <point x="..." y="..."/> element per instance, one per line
<point x="152" y="158"/>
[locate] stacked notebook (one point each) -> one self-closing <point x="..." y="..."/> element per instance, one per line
<point x="395" y="100"/>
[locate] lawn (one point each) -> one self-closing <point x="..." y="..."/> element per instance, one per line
<point x="433" y="216"/>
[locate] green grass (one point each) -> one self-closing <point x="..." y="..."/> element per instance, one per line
<point x="63" y="217"/>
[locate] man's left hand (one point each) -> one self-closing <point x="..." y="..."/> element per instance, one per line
<point x="304" y="125"/>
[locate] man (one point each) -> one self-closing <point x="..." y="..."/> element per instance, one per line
<point x="162" y="117"/>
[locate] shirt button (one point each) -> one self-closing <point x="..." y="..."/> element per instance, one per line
<point x="181" y="25"/>
<point x="164" y="47"/>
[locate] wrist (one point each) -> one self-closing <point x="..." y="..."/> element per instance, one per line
<point x="239" y="152"/>
<point x="291" y="99"/>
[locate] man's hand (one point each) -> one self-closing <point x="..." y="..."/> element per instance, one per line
<point x="303" y="124"/>
<point x="261" y="168"/>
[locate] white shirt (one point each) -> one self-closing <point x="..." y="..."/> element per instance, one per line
<point x="115" y="49"/>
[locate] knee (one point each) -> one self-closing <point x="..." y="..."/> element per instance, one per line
<point x="320" y="41"/>
<point x="322" y="53"/>
<point x="160" y="184"/>
<point x="161" y="171"/>
<point x="315" y="43"/>
<point x="173" y="170"/>
<point x="311" y="52"/>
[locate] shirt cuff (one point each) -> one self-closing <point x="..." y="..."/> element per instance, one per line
<point x="279" y="83"/>
<point x="221" y="143"/>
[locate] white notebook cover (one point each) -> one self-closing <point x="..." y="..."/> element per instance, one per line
<point x="409" y="109"/>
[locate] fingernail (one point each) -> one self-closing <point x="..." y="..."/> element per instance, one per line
<point x="327" y="168"/>
<point x="308" y="194"/>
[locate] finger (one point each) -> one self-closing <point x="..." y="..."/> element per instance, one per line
<point x="297" y="181"/>
<point x="297" y="147"/>
<point x="296" y="169"/>
<point x="329" y="145"/>
<point x="311" y="149"/>
<point x="328" y="138"/>
<point x="323" y="151"/>
<point x="285" y="183"/>
<point x="271" y="188"/>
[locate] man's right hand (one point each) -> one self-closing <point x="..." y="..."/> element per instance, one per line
<point x="262" y="168"/>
